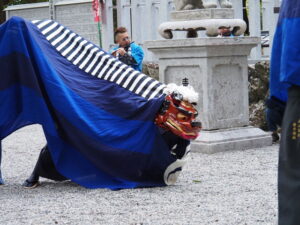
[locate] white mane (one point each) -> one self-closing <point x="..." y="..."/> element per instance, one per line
<point x="188" y="92"/>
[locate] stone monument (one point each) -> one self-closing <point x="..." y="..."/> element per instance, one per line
<point x="197" y="18"/>
<point x="198" y="4"/>
<point x="217" y="67"/>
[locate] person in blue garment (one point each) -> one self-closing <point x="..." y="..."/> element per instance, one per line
<point x="285" y="84"/>
<point x="225" y="32"/>
<point x="126" y="51"/>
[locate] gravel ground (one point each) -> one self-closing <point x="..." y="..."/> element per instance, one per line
<point x="231" y="188"/>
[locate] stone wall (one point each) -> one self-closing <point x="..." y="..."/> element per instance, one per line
<point x="79" y="18"/>
<point x="29" y="11"/>
<point x="74" y="14"/>
<point x="258" y="93"/>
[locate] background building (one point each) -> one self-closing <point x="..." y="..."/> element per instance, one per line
<point x="142" y="18"/>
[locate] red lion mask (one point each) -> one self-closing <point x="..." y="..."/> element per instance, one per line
<point x="178" y="116"/>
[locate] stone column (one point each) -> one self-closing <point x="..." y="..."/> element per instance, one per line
<point x="238" y="8"/>
<point x="254" y="26"/>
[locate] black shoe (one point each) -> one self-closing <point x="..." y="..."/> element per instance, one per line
<point x="275" y="137"/>
<point x="1" y="179"/>
<point x="30" y="184"/>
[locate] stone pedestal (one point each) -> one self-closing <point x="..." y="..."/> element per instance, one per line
<point x="238" y="138"/>
<point x="218" y="70"/>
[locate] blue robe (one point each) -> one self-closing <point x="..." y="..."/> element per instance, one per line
<point x="285" y="66"/>
<point x="97" y="113"/>
<point x="285" y="78"/>
<point x="137" y="53"/>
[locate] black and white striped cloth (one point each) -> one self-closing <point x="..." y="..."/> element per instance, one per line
<point x="96" y="62"/>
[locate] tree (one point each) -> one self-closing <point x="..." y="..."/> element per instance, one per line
<point x="5" y="3"/>
<point x="245" y="15"/>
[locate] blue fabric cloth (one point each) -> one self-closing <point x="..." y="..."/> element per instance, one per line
<point x="285" y="60"/>
<point x="99" y="134"/>
<point x="1" y="180"/>
<point x="137" y="53"/>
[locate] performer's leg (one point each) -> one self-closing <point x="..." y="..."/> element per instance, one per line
<point x="33" y="180"/>
<point x="177" y="145"/>
<point x="44" y="168"/>
<point x="1" y="180"/>
<point x="289" y="162"/>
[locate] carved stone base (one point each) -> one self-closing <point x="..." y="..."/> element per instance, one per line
<point x="210" y="20"/>
<point x="237" y="26"/>
<point x="231" y="139"/>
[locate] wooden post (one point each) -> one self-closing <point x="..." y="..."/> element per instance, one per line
<point x="51" y="9"/>
<point x="255" y="26"/>
<point x="124" y="14"/>
<point x="238" y="8"/>
<point x="149" y="21"/>
<point x="119" y="13"/>
<point x="134" y="20"/>
<point x="107" y="26"/>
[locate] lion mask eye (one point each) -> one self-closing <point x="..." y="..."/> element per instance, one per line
<point x="183" y="117"/>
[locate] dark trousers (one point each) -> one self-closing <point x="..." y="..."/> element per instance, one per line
<point x="274" y="113"/>
<point x="45" y="166"/>
<point x="289" y="162"/>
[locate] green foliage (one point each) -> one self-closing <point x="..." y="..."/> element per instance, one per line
<point x="197" y="181"/>
<point x="258" y="77"/>
<point x="18" y="2"/>
<point x="5" y="3"/>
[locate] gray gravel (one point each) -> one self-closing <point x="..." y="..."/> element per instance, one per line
<point x="230" y="188"/>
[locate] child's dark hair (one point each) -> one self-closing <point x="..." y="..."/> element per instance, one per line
<point x="120" y="30"/>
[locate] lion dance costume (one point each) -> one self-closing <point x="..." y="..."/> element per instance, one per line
<point x="106" y="125"/>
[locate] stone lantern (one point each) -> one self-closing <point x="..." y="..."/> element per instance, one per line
<point x="217" y="67"/>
